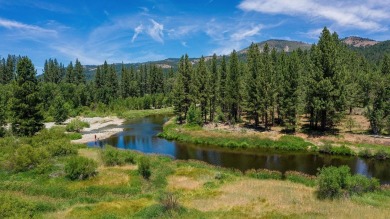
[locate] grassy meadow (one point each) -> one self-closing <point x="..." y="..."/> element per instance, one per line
<point x="175" y="189"/>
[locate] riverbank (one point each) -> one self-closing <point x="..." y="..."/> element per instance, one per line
<point x="39" y="188"/>
<point x="240" y="137"/>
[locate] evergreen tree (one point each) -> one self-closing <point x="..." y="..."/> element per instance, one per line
<point x="2" y="111"/>
<point x="79" y="73"/>
<point x="213" y="87"/>
<point x="233" y="87"/>
<point x="27" y="119"/>
<point x="69" y="76"/>
<point x="60" y="111"/>
<point x="223" y="85"/>
<point x="252" y="83"/>
<point x="179" y="98"/>
<point x="203" y="89"/>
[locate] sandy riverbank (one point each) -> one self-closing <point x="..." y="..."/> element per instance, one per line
<point x="97" y="127"/>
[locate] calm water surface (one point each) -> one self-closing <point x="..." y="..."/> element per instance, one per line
<point x="140" y="135"/>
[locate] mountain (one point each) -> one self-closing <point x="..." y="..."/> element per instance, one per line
<point x="355" y="41"/>
<point x="374" y="53"/>
<point x="281" y="45"/>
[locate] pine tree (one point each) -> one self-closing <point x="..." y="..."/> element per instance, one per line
<point x="203" y="89"/>
<point x="60" y="111"/>
<point x="27" y="119"/>
<point x="69" y="76"/>
<point x="179" y="98"/>
<point x="2" y="111"/>
<point x="223" y="85"/>
<point x="213" y="87"/>
<point x="233" y="87"/>
<point x="79" y="73"/>
<point x="252" y="83"/>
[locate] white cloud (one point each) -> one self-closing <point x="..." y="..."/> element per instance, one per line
<point x="182" y="31"/>
<point x="26" y="28"/>
<point x="364" y="15"/>
<point x="137" y="31"/>
<point x="183" y="43"/>
<point x="156" y="31"/>
<point x="243" y="34"/>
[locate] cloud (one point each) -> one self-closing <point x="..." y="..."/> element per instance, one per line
<point x="144" y="9"/>
<point x="182" y="31"/>
<point x="137" y="31"/>
<point x="156" y="31"/>
<point x="183" y="43"/>
<point x="15" y="25"/>
<point x="364" y="15"/>
<point x="243" y="34"/>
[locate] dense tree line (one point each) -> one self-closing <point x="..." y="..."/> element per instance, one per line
<point x="268" y="87"/>
<point x="262" y="87"/>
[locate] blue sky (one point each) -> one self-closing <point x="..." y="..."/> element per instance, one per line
<point x="138" y="31"/>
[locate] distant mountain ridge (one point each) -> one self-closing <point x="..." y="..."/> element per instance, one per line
<point x="373" y="50"/>
<point x="356" y="41"/>
<point x="280" y="45"/>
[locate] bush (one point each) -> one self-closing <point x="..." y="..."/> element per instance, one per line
<point x="26" y="158"/>
<point x="264" y="174"/>
<point x="359" y="184"/>
<point x="331" y="181"/>
<point x="194" y="116"/>
<point x="144" y="167"/>
<point x="342" y="150"/>
<point x="112" y="156"/>
<point x="62" y="148"/>
<point x="12" y="207"/>
<point x="76" y="125"/>
<point x="335" y="182"/>
<point x="366" y="153"/>
<point x="169" y="202"/>
<point x="80" y="168"/>
<point x="301" y="178"/>
<point x="74" y="136"/>
<point x="382" y="155"/>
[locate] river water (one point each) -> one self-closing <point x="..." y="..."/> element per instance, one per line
<point x="140" y="134"/>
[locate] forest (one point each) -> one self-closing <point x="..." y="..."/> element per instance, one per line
<point x="264" y="88"/>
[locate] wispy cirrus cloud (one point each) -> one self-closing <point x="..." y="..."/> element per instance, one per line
<point x="137" y="31"/>
<point x="156" y="31"/>
<point x="359" y="14"/>
<point x="32" y="29"/>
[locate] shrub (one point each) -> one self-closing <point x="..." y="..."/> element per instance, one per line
<point x="80" y="168"/>
<point x="264" y="174"/>
<point x="382" y="155"/>
<point x="144" y="167"/>
<point x="12" y="207"/>
<point x="74" y="136"/>
<point x="62" y="148"/>
<point x="194" y="116"/>
<point x="111" y="156"/>
<point x="359" y="184"/>
<point x="342" y="150"/>
<point x="76" y="125"/>
<point x="326" y="149"/>
<point x="299" y="177"/>
<point x="335" y="182"/>
<point x="366" y="153"/>
<point x="26" y="158"/>
<point x="169" y="202"/>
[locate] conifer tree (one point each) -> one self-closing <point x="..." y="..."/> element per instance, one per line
<point x="252" y="84"/>
<point x="223" y="85"/>
<point x="69" y="76"/>
<point x="79" y="73"/>
<point x="213" y="87"/>
<point x="60" y="111"/>
<point x="233" y="87"/>
<point x="27" y="119"/>
<point x="203" y="88"/>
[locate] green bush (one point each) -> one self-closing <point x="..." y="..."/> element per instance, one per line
<point x="62" y="148"/>
<point x="366" y="153"/>
<point x="111" y="156"/>
<point x="334" y="182"/>
<point x="382" y="155"/>
<point x="144" y="167"/>
<point x="80" y="168"/>
<point x="301" y="178"/>
<point x="359" y="184"/>
<point x="26" y="158"/>
<point x="74" y="136"/>
<point x="76" y="125"/>
<point x="264" y="174"/>
<point x="194" y="116"/>
<point x="12" y="207"/>
<point x="342" y="150"/>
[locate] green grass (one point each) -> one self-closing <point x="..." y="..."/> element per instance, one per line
<point x="119" y="191"/>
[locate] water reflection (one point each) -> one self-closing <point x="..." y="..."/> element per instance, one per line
<point x="141" y="134"/>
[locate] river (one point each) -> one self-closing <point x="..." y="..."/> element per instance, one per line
<point x="141" y="135"/>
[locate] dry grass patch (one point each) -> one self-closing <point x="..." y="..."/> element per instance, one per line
<point x="261" y="198"/>
<point x="112" y="176"/>
<point x="189" y="178"/>
<point x="92" y="154"/>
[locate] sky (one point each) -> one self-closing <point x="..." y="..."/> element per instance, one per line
<point x="138" y="31"/>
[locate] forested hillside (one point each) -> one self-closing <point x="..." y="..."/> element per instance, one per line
<point x="265" y="89"/>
